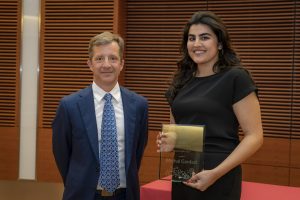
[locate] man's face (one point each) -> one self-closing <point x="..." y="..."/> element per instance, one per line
<point x="106" y="65"/>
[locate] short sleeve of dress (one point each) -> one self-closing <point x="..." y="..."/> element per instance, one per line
<point x="243" y="85"/>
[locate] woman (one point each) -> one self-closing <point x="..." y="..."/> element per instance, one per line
<point x="211" y="88"/>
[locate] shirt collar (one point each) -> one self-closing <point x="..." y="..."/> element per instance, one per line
<point x="99" y="92"/>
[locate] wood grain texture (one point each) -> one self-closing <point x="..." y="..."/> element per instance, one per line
<point x="274" y="152"/>
<point x="9" y="153"/>
<point x="295" y="153"/>
<point x="266" y="174"/>
<point x="295" y="177"/>
<point x="46" y="169"/>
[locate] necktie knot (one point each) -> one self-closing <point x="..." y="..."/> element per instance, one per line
<point x="108" y="97"/>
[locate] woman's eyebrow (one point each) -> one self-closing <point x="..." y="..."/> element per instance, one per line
<point x="202" y="34"/>
<point x="205" y="34"/>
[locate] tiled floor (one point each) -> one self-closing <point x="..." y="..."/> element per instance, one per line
<point x="30" y="190"/>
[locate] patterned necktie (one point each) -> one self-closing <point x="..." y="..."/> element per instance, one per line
<point x="109" y="158"/>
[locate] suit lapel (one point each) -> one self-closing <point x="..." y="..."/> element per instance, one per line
<point x="129" y="109"/>
<point x="86" y="106"/>
<point x="87" y="109"/>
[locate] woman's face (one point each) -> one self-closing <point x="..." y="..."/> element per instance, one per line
<point x="202" y="45"/>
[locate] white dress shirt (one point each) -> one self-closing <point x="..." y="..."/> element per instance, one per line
<point x="118" y="107"/>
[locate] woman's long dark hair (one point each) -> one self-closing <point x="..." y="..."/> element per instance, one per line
<point x="186" y="67"/>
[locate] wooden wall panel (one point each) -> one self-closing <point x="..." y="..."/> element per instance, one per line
<point x="120" y="18"/>
<point x="46" y="168"/>
<point x="149" y="169"/>
<point x="295" y="153"/>
<point x="10" y="40"/>
<point x="295" y="130"/>
<point x="9" y="153"/>
<point x="150" y="163"/>
<point x="295" y="177"/>
<point x="151" y="148"/>
<point x="268" y="155"/>
<point x="266" y="174"/>
<point x="296" y="76"/>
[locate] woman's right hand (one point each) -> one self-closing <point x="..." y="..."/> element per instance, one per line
<point x="166" y="141"/>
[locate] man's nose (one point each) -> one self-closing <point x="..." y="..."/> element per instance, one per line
<point x="106" y="61"/>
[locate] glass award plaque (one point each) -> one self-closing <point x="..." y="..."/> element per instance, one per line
<point x="181" y="151"/>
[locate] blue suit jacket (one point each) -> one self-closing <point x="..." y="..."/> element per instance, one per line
<point x="76" y="148"/>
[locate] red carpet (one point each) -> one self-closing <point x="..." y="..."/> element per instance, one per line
<point x="161" y="190"/>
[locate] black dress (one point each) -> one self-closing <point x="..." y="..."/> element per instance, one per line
<point x="209" y="101"/>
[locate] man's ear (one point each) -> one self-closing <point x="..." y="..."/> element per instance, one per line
<point x="122" y="64"/>
<point x="89" y="63"/>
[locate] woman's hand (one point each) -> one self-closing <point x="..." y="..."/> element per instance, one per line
<point x="202" y="180"/>
<point x="166" y="141"/>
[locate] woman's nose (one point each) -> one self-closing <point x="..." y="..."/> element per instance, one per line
<point x="197" y="42"/>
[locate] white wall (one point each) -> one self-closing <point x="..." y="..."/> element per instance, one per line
<point x="29" y="88"/>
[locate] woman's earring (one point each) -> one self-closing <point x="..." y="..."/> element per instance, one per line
<point x="219" y="46"/>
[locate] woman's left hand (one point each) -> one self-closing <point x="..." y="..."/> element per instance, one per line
<point x="202" y="180"/>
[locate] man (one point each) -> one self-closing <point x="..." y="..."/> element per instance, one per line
<point x="85" y="144"/>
